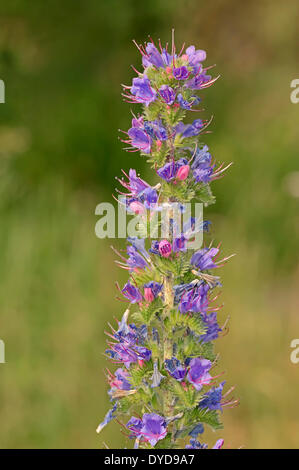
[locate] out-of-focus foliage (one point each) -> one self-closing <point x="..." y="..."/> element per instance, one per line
<point x="62" y="64"/>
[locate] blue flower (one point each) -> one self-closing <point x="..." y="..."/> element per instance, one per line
<point x="203" y="259"/>
<point x="175" y="368"/>
<point x="108" y="417"/>
<point x="143" y="91"/>
<point x="154" y="57"/>
<point x="187" y="104"/>
<point x="212" y="399"/>
<point x="181" y="73"/>
<point x="167" y="93"/>
<point x="131" y="293"/>
<point x="212" y="327"/>
<point x="189" y="130"/>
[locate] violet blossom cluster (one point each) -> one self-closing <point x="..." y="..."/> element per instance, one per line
<point x="167" y="384"/>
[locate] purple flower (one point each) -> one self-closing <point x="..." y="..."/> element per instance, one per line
<point x="202" y="166"/>
<point x="143" y="91"/>
<point x="179" y="244"/>
<point x="187" y="104"/>
<point x="199" y="81"/>
<point x="149" y="197"/>
<point x="154" y="428"/>
<point x="132" y="293"/>
<point x="198" y="429"/>
<point x="212" y="327"/>
<point x="181" y="73"/>
<point x="155" y="130"/>
<point x="155" y="247"/>
<point x="212" y="399"/>
<point x="135" y="260"/>
<point x="119" y="382"/>
<point x="203" y="259"/>
<point x="194" y="444"/>
<point x="167" y="93"/>
<point x="195" y="58"/>
<point x="198" y="374"/>
<point x="140" y="139"/>
<point x="219" y="444"/>
<point x="108" y="417"/>
<point x="138" y="244"/>
<point x="194" y="300"/>
<point x="150" y="429"/>
<point x="189" y="130"/>
<point x="151" y="290"/>
<point x="168" y="171"/>
<point x="134" y="185"/>
<point x="154" y="57"/>
<point x="175" y="368"/>
<point x="135" y="426"/>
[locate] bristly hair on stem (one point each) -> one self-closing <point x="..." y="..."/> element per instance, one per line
<point x="163" y="391"/>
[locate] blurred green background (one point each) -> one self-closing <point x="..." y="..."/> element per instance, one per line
<point x="62" y="63"/>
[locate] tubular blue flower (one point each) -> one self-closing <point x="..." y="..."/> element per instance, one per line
<point x="179" y="244"/>
<point x="189" y="130"/>
<point x="154" y="57"/>
<point x="139" y="245"/>
<point x="168" y="171"/>
<point x="155" y="247"/>
<point x="140" y="139"/>
<point x="212" y="327"/>
<point x="194" y="444"/>
<point x="149" y="197"/>
<point x="187" y="104"/>
<point x="151" y="428"/>
<point x="154" y="428"/>
<point x="119" y="383"/>
<point x="151" y="290"/>
<point x="212" y="399"/>
<point x="167" y="93"/>
<point x="108" y="417"/>
<point x="181" y="73"/>
<point x="198" y="373"/>
<point x="199" y="81"/>
<point x="203" y="259"/>
<point x="194" y="299"/>
<point x="135" y="260"/>
<point x="132" y="293"/>
<point x="155" y="130"/>
<point x="175" y="368"/>
<point x="195" y="58"/>
<point x="142" y="90"/>
<point x="198" y="429"/>
<point x="202" y="166"/>
<point x="135" y="426"/>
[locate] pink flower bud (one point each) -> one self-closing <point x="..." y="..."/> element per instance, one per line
<point x="137" y="207"/>
<point x="148" y="294"/>
<point x="183" y="172"/>
<point x="159" y="144"/>
<point x="165" y="248"/>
